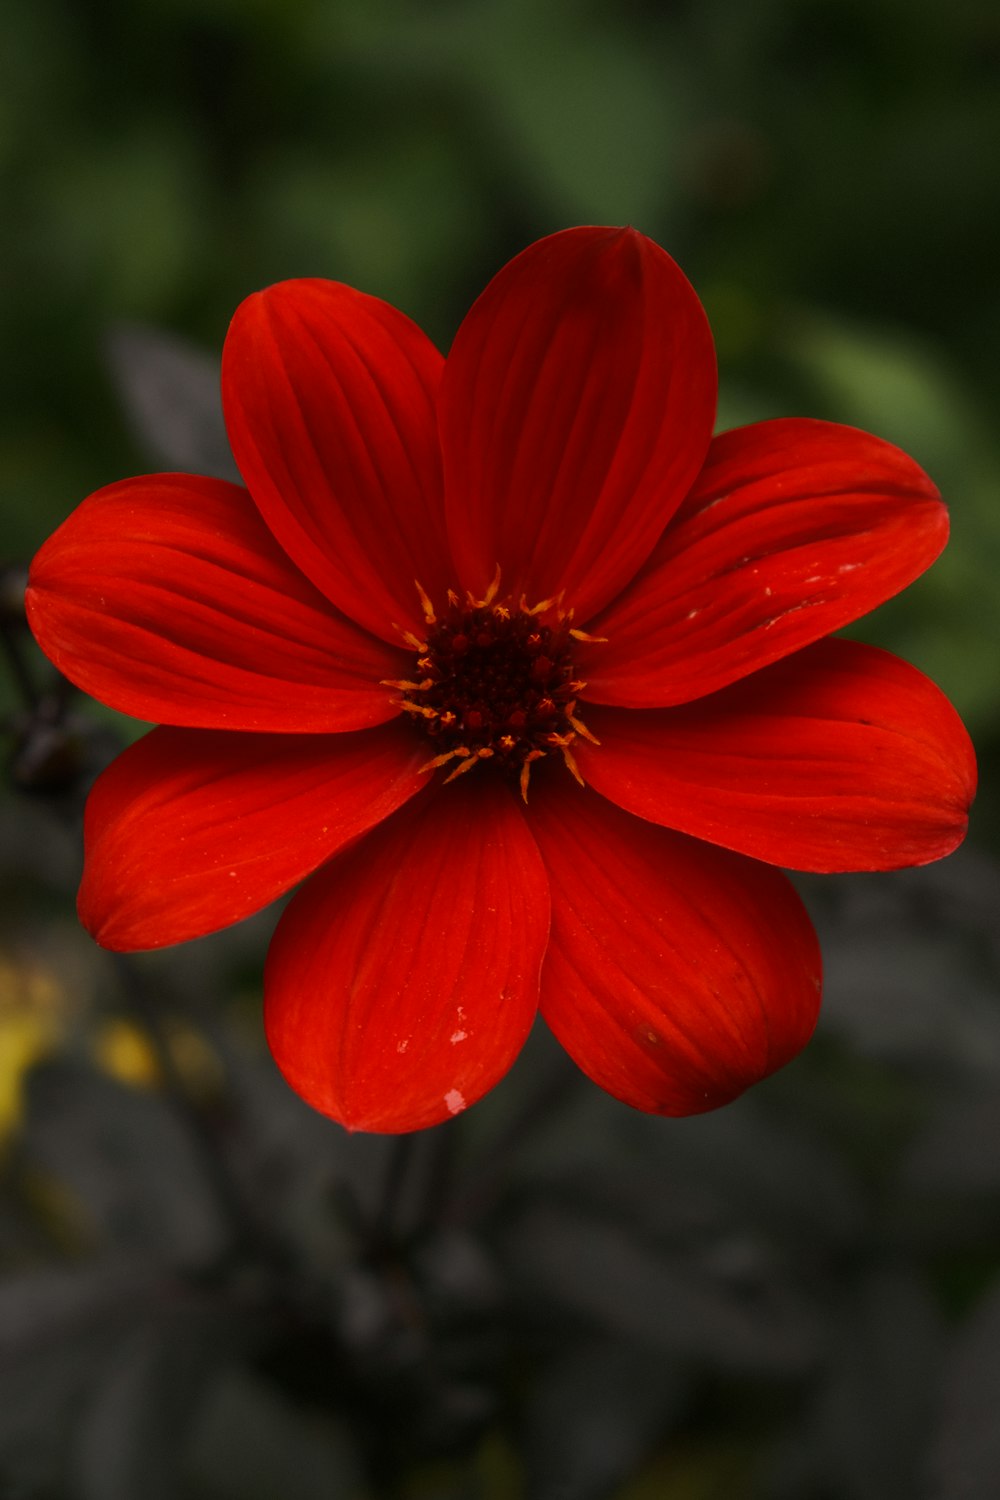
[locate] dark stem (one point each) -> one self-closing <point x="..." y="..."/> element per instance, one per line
<point x="250" y="1237"/>
<point x="386" y="1224"/>
<point x="491" y="1167"/>
<point x="19" y="667"/>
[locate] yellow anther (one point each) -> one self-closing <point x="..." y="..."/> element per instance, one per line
<point x="490" y="594"/>
<point x="526" y="771"/>
<point x="535" y="609"/>
<point x="467" y="765"/>
<point x="409" y="687"/>
<point x="411" y="640"/>
<point x="461" y="753"/>
<point x="581" y="635"/>
<point x="425" y="604"/>
<point x="582" y="729"/>
<point x="571" y="764"/>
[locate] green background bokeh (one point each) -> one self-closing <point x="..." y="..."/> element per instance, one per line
<point x="824" y="171"/>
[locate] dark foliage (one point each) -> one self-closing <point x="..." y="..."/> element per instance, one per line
<point x="210" y="1293"/>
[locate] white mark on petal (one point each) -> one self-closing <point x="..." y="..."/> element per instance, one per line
<point x="402" y="1046"/>
<point x="457" y="1036"/>
<point x="455" y="1102"/>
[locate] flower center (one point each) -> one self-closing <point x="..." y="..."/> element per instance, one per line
<point x="494" y="684"/>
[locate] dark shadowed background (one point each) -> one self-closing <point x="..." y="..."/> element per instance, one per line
<point x="209" y="1293"/>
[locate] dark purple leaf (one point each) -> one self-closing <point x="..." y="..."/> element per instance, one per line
<point x="611" y="1280"/>
<point x="593" y="1415"/>
<point x="129" y="1161"/>
<point x="170" y="391"/>
<point x="966" y="1450"/>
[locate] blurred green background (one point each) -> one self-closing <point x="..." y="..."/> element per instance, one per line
<point x="826" y="173"/>
<point x="824" y="170"/>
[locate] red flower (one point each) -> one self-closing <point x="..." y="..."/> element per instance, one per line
<point x="531" y="563"/>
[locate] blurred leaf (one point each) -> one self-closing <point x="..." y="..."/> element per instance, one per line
<point x="57" y="1330"/>
<point x="120" y="210"/>
<point x="587" y="120"/>
<point x="877" y="1397"/>
<point x="659" y="1301"/>
<point x="320" y="1183"/>
<point x="593" y="1414"/>
<point x="170" y="391"/>
<point x="733" y="1174"/>
<point x="592" y="125"/>
<point x="127" y="1160"/>
<point x="911" y="964"/>
<point x="251" y="1444"/>
<point x="132" y="1430"/>
<point x="891" y="383"/>
<point x="966" y="1452"/>
<point x="947" y="1157"/>
<point x="886" y="381"/>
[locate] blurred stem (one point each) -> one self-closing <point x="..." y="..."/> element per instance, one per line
<point x="250" y="1236"/>
<point x="386" y="1226"/>
<point x="492" y="1166"/>
<point x="19" y="667"/>
<point x="417" y="1185"/>
<point x="444" y="1150"/>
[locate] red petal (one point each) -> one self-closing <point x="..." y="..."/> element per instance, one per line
<point x="677" y="974"/>
<point x="841" y="757"/>
<point x="168" y="599"/>
<point x="329" y="398"/>
<point x="794" y="529"/>
<point x="403" y="980"/>
<point x="576" y="410"/>
<point x="189" y="830"/>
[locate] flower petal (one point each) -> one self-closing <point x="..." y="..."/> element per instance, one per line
<point x="794" y="529"/>
<point x="329" y="400"/>
<point x="191" y="830"/>
<point x="677" y="974"/>
<point x="403" y="980"/>
<point x="576" y="410"/>
<point x="167" y="598"/>
<point x="841" y="757"/>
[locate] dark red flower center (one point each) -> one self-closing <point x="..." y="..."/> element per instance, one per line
<point x="494" y="684"/>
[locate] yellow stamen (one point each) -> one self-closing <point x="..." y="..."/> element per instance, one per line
<point x="581" y="635"/>
<point x="423" y="686"/>
<point x="490" y="594"/>
<point x="425" y="604"/>
<point x="526" y="771"/>
<point x="411" y="640"/>
<point x="467" y="765"/>
<point x="461" y="753"/>
<point x="536" y="609"/>
<point x="582" y="729"/>
<point x="571" y="764"/>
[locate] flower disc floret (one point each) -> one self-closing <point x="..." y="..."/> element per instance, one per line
<point x="494" y="683"/>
